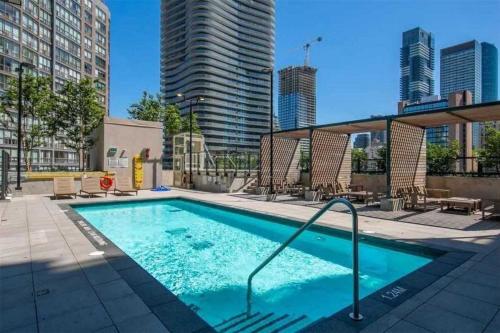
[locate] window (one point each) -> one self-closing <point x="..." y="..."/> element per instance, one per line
<point x="100" y="62"/>
<point x="72" y="6"/>
<point x="67" y="59"/>
<point x="30" y="24"/>
<point x="88" y="17"/>
<point x="9" y="11"/>
<point x="45" y="18"/>
<point x="68" y="31"/>
<point x="88" y="4"/>
<point x="100" y="39"/>
<point x="100" y="50"/>
<point x="100" y="14"/>
<point x="88" y="30"/>
<point x="30" y="8"/>
<point x="88" y="68"/>
<point x="68" y="45"/>
<point x="67" y="73"/>
<point x="67" y="17"/>
<point x="9" y="47"/>
<point x="100" y="74"/>
<point x="88" y="43"/>
<point x="9" y="30"/>
<point x="101" y="27"/>
<point x="45" y="48"/>
<point x="44" y="33"/>
<point x="30" y="41"/>
<point x="30" y="56"/>
<point x="8" y="64"/>
<point x="88" y="55"/>
<point x="100" y="86"/>
<point x="46" y="4"/>
<point x="44" y="63"/>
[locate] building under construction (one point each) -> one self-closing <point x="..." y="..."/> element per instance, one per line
<point x="297" y="98"/>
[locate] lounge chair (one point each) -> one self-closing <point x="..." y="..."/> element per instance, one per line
<point x="421" y="197"/>
<point x="92" y="186"/>
<point x="124" y="185"/>
<point x="64" y="186"/>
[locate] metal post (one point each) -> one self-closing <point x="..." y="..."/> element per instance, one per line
<point x="191" y="143"/>
<point x="19" y="128"/>
<point x="198" y="163"/>
<point x="271" y="136"/>
<point x="310" y="158"/>
<point x="388" y="157"/>
<point x="224" y="163"/>
<point x="248" y="164"/>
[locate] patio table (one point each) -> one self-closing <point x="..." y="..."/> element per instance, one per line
<point x="469" y="204"/>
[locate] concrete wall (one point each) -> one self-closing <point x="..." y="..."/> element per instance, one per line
<point x="472" y="187"/>
<point x="130" y="138"/>
<point x="374" y="183"/>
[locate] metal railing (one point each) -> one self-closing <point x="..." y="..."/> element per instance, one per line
<point x="354" y="315"/>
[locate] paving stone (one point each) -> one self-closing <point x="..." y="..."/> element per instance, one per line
<point x="481" y="278"/>
<point x="17" y="317"/>
<point x="148" y="323"/>
<point x="83" y="320"/>
<point x="476" y="291"/>
<point x="16" y="297"/>
<point x="177" y="317"/>
<point x="406" y="327"/>
<point x="52" y="305"/>
<point x="126" y="307"/>
<point x="330" y="325"/>
<point x="436" y="319"/>
<point x="494" y="325"/>
<point x="19" y="281"/>
<point x="100" y="273"/>
<point x="153" y="293"/>
<point x="382" y="324"/>
<point x="113" y="289"/>
<point x="136" y="275"/>
<point x="464" y="306"/>
<point x="33" y="328"/>
<point x="60" y="283"/>
<point x="109" y="329"/>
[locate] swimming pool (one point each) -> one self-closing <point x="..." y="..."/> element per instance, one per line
<point x="204" y="254"/>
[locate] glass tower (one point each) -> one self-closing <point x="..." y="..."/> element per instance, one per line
<point x="417" y="65"/>
<point x="218" y="49"/>
<point x="489" y="72"/>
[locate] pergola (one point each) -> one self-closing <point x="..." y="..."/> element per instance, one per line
<point x="330" y="149"/>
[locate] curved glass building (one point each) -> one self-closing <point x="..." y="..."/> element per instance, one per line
<point x="217" y="49"/>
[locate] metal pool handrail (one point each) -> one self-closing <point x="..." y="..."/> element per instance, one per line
<point x="354" y="315"/>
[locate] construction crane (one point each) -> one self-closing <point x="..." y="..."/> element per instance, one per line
<point x="307" y="48"/>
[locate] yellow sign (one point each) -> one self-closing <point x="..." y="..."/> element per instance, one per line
<point x="138" y="172"/>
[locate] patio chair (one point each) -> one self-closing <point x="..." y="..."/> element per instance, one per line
<point x="124" y="185"/>
<point x="64" y="186"/>
<point x="420" y="197"/>
<point x="92" y="186"/>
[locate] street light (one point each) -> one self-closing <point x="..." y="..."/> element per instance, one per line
<point x="20" y="70"/>
<point x="197" y="99"/>
<point x="269" y="70"/>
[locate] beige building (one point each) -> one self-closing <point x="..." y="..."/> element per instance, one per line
<point x="119" y="140"/>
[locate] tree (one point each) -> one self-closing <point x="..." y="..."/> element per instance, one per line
<point x="148" y="108"/>
<point x="489" y="155"/>
<point x="79" y="113"/>
<point x="185" y="123"/>
<point x="359" y="158"/>
<point x="39" y="103"/>
<point x="440" y="158"/>
<point x="381" y="155"/>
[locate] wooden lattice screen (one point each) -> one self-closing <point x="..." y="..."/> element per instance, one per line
<point x="285" y="162"/>
<point x="331" y="158"/>
<point x="408" y="156"/>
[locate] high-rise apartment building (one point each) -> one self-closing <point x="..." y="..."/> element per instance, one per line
<point x="297" y="97"/>
<point x="64" y="39"/>
<point x="489" y="73"/>
<point x="417" y="65"/>
<point x="461" y="70"/>
<point x="219" y="49"/>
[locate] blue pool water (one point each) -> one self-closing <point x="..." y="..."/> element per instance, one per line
<point x="204" y="254"/>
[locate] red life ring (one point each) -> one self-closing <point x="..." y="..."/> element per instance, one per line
<point x="106" y="182"/>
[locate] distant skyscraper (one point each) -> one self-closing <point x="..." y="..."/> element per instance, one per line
<point x="417" y="65"/>
<point x="461" y="70"/>
<point x="362" y="140"/>
<point x="378" y="137"/>
<point x="218" y="50"/>
<point x="489" y="72"/>
<point x="297" y="97"/>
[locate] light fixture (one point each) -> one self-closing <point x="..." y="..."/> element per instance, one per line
<point x="179" y="94"/>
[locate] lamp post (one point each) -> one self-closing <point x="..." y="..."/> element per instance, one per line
<point x="269" y="70"/>
<point x="20" y="70"/>
<point x="197" y="99"/>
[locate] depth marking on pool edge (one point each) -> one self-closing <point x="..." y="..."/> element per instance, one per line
<point x="393" y="293"/>
<point x="92" y="233"/>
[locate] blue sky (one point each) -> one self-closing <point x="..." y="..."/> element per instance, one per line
<point x="358" y="59"/>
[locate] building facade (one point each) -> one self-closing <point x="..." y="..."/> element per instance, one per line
<point x="64" y="39"/>
<point x="219" y="49"/>
<point x="362" y="141"/>
<point x="417" y="65"/>
<point x="489" y="72"/>
<point x="297" y="97"/>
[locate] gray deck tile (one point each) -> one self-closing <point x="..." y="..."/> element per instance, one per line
<point x="113" y="289"/>
<point x="82" y="320"/>
<point x="148" y="323"/>
<point x="16" y="297"/>
<point x="100" y="273"/>
<point x="57" y="304"/>
<point x="494" y="325"/>
<point x="126" y="307"/>
<point x="476" y="291"/>
<point x="177" y="317"/>
<point x="436" y="319"/>
<point x="406" y="327"/>
<point x="13" y="282"/>
<point x="464" y="306"/>
<point x="17" y="317"/>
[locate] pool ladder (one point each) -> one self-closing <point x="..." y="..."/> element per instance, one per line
<point x="354" y="315"/>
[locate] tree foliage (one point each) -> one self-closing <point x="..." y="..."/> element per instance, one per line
<point x="489" y="155"/>
<point x="79" y="114"/>
<point x="151" y="108"/>
<point x="381" y="155"/>
<point x="39" y="105"/>
<point x="359" y="158"/>
<point x="440" y="158"/>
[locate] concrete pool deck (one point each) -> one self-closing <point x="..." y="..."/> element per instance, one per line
<point x="50" y="283"/>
